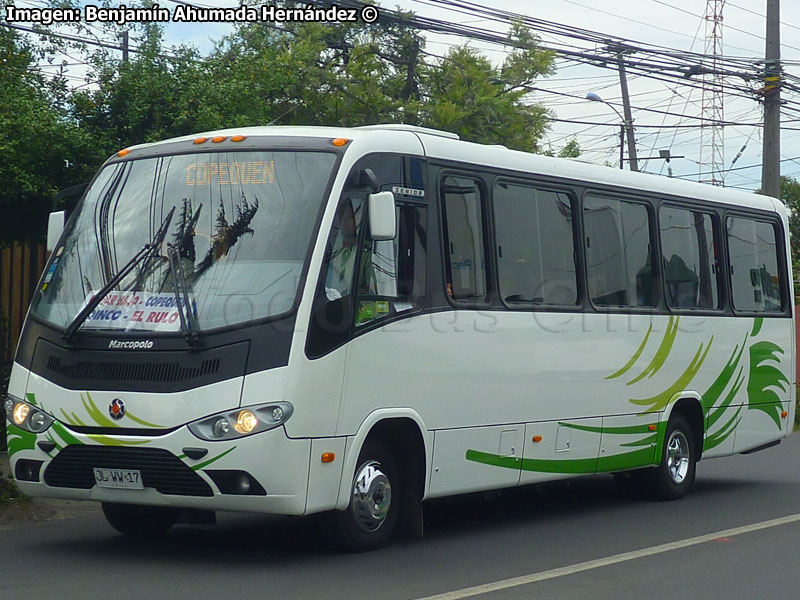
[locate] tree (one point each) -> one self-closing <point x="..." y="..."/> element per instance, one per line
<point x="465" y="94"/>
<point x="345" y="74"/>
<point x="790" y="195"/>
<point x="304" y="73"/>
<point x="148" y="98"/>
<point x="39" y="147"/>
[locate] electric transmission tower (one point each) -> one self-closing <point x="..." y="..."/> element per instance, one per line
<point x="712" y="132"/>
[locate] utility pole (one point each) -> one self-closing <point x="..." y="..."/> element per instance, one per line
<point x="125" y="46"/>
<point x="771" y="155"/>
<point x="626" y="106"/>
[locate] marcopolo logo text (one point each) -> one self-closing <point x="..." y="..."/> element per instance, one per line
<point x="130" y="345"/>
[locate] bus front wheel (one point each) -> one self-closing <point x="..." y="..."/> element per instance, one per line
<point x="140" y="521"/>
<point x="371" y="516"/>
<point x="675" y="474"/>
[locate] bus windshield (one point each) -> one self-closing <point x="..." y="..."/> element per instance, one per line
<point x="240" y="223"/>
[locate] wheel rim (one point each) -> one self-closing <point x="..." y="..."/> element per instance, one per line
<point x="372" y="496"/>
<point x="678" y="457"/>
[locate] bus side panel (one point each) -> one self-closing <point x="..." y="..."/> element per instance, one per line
<point x="767" y="384"/>
<point x="472" y="369"/>
<point x="560" y="447"/>
<point x="493" y="459"/>
<point x="629" y="441"/>
<point x="314" y="387"/>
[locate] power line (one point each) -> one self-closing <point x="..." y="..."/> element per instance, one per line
<point x="75" y="38"/>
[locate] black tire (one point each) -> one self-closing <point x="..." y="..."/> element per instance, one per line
<point x="372" y="513"/>
<point x="140" y="521"/>
<point x="675" y="474"/>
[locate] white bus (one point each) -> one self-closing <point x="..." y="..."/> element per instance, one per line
<point x="295" y="320"/>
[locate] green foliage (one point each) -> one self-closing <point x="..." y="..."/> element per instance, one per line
<point x="8" y="490"/>
<point x="345" y="74"/>
<point x="39" y="148"/>
<point x="465" y="94"/>
<point x="571" y="150"/>
<point x="790" y="194"/>
<point x="148" y="98"/>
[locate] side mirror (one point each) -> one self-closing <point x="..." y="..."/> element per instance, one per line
<point x="382" y="219"/>
<point x="55" y="227"/>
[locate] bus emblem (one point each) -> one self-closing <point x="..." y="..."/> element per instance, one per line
<point x="116" y="409"/>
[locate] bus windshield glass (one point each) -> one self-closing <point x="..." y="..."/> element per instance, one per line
<point x="240" y="223"/>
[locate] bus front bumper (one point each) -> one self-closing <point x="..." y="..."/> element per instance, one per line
<point x="265" y="472"/>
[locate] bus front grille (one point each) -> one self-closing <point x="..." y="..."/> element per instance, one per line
<point x="73" y="468"/>
<point x="146" y="371"/>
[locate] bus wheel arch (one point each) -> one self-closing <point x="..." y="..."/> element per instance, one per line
<point x="388" y="459"/>
<point x="692" y="410"/>
<point x="674" y="475"/>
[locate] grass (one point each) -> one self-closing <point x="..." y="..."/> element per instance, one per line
<point x="9" y="492"/>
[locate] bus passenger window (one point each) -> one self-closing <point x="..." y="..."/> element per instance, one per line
<point x="341" y="256"/>
<point x="392" y="272"/>
<point x="755" y="277"/>
<point x="535" y="246"/>
<point x="465" y="264"/>
<point x="691" y="274"/>
<point x="618" y="263"/>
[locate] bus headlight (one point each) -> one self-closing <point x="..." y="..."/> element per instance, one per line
<point x="238" y="423"/>
<point x="21" y="411"/>
<point x="246" y="422"/>
<point x="27" y="416"/>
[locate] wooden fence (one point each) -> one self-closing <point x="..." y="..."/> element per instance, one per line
<point x="20" y="268"/>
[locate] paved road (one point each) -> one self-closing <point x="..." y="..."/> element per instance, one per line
<point x="579" y="539"/>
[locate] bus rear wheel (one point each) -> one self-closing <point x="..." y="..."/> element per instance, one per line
<point x="371" y="516"/>
<point x="140" y="521"/>
<point x="674" y="477"/>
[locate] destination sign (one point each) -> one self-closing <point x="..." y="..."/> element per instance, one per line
<point x="230" y="173"/>
<point x="136" y="311"/>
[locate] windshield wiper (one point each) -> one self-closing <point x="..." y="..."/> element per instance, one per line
<point x="185" y="312"/>
<point x="146" y="250"/>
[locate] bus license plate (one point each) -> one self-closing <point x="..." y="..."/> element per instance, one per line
<point x="126" y="479"/>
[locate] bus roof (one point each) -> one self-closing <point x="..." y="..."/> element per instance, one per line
<point x="447" y="146"/>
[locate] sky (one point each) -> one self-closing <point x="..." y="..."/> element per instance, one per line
<point x="677" y="24"/>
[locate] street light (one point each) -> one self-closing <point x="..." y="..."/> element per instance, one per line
<point x="595" y="98"/>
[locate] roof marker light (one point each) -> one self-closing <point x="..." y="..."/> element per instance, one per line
<point x="238" y="138"/>
<point x="124" y="152"/>
<point x="340" y="141"/>
<point x="219" y="138"/>
<point x="200" y="140"/>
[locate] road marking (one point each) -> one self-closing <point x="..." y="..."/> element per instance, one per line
<point x="609" y="560"/>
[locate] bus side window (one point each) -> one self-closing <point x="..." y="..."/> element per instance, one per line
<point x="755" y="276"/>
<point x="687" y="244"/>
<point x="392" y="272"/>
<point x="332" y="318"/>
<point x="618" y="252"/>
<point x="535" y="246"/>
<point x="464" y="256"/>
<point x="342" y="249"/>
